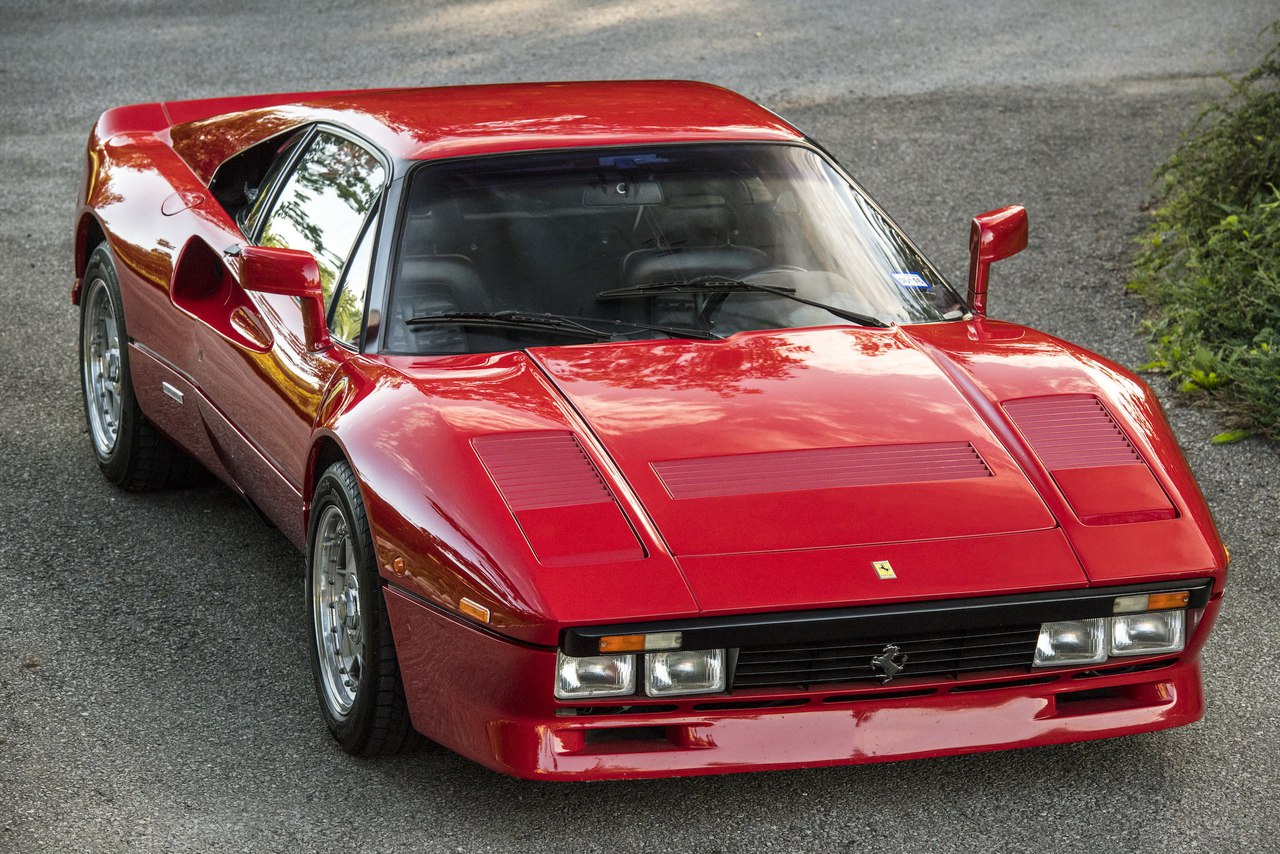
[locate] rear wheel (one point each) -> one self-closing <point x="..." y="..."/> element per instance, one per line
<point x="130" y="452"/>
<point x="353" y="657"/>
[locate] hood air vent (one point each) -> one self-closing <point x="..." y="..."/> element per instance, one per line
<point x="1089" y="456"/>
<point x="1072" y="431"/>
<point x="558" y="498"/>
<point x="534" y="471"/>
<point x="822" y="468"/>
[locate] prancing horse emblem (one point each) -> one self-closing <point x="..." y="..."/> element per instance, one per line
<point x="889" y="662"/>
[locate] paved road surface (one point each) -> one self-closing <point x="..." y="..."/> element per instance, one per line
<point x="154" y="688"/>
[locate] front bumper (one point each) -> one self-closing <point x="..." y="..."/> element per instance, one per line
<point x="490" y="699"/>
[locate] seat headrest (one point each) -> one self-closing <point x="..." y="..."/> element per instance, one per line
<point x="434" y="229"/>
<point x="695" y="220"/>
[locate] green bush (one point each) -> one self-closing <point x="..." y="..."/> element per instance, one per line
<point x="1210" y="264"/>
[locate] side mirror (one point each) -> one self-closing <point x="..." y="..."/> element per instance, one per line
<point x="292" y="273"/>
<point x="993" y="236"/>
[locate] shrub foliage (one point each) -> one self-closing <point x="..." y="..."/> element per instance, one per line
<point x="1210" y="264"/>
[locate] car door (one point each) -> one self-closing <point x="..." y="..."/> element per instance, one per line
<point x="263" y="399"/>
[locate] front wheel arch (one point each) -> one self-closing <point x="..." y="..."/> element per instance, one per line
<point x="348" y="622"/>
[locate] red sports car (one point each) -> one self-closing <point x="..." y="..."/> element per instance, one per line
<point x="625" y="436"/>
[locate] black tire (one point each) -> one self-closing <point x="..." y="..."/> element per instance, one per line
<point x="130" y="452"/>
<point x="366" y="710"/>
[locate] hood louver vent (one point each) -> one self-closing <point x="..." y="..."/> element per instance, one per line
<point x="1099" y="471"/>
<point x="534" y="471"/>
<point x="822" y="468"/>
<point x="559" y="499"/>
<point x="1072" y="431"/>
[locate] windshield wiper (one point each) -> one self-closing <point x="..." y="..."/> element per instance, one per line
<point x="721" y="285"/>
<point x="551" y="322"/>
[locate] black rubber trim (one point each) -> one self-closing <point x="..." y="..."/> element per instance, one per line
<point x="878" y="622"/>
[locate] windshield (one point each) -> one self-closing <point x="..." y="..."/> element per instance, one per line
<point x="658" y="242"/>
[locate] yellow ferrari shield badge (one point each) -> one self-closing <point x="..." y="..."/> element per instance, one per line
<point x="883" y="569"/>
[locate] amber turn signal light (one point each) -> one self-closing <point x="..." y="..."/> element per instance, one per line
<point x="1165" y="601"/>
<point x="622" y="643"/>
<point x="1151" y="602"/>
<point x="640" y="643"/>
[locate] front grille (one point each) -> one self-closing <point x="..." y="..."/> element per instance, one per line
<point x="941" y="655"/>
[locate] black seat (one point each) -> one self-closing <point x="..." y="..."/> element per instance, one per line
<point x="680" y="264"/>
<point x="434" y="278"/>
<point x="694" y="238"/>
<point x="432" y="285"/>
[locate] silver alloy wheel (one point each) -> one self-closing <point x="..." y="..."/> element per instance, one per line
<point x="103" y="371"/>
<point x="335" y="602"/>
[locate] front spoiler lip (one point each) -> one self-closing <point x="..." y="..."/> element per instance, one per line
<point x="884" y="621"/>
<point x="944" y="724"/>
<point x="490" y="700"/>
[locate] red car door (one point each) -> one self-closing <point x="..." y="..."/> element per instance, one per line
<point x="263" y="387"/>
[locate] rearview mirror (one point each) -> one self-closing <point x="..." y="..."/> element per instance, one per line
<point x="292" y="273"/>
<point x="993" y="236"/>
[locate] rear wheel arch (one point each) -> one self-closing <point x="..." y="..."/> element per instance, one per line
<point x="130" y="452"/>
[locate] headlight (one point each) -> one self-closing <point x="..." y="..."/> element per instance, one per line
<point x="1148" y="634"/>
<point x="594" y="676"/>
<point x="1072" y="642"/>
<point x="1092" y="641"/>
<point x="684" y="672"/>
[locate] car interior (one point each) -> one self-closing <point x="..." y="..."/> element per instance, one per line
<point x="554" y="241"/>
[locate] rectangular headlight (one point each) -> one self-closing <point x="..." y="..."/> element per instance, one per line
<point x="684" y="672"/>
<point x="1148" y="634"/>
<point x="594" y="676"/>
<point x="1072" y="642"/>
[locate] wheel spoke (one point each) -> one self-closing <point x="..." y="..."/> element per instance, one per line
<point x="103" y="367"/>
<point x="336" y="594"/>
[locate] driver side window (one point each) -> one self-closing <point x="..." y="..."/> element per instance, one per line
<point x="322" y="208"/>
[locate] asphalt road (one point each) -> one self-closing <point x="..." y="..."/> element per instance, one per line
<point x="154" y="692"/>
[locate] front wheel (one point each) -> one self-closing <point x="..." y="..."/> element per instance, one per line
<point x="353" y="657"/>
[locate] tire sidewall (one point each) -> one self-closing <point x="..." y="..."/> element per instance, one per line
<point x="115" y="464"/>
<point x="333" y="490"/>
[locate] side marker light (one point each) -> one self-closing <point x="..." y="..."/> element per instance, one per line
<point x="474" y="610"/>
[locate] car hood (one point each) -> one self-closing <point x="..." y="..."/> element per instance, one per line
<point x="795" y="439"/>
<point x="769" y="471"/>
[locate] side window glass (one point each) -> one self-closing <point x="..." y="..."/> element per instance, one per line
<point x="323" y="204"/>
<point x="348" y="308"/>
<point x="239" y="182"/>
<point x="252" y="213"/>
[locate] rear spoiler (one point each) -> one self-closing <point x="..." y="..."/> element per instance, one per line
<point x="161" y="115"/>
<point x="182" y="112"/>
<point x="193" y="128"/>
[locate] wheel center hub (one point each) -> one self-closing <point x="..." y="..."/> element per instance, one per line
<point x="350" y="609"/>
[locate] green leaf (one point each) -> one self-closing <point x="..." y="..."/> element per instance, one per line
<point x="1229" y="438"/>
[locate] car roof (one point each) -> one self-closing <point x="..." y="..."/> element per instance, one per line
<point x="430" y="123"/>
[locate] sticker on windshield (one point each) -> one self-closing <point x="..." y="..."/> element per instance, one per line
<point x="911" y="280"/>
